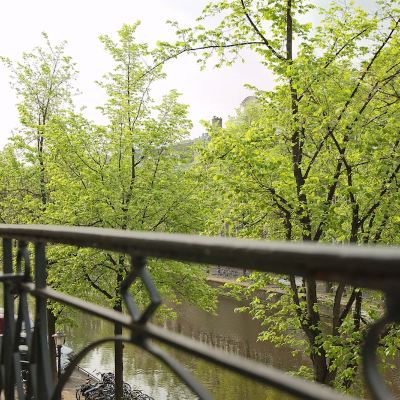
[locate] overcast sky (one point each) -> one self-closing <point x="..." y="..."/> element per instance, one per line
<point x="211" y="92"/>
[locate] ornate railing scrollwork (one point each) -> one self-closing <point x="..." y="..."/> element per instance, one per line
<point x="375" y="268"/>
<point x="138" y="270"/>
<point x="373" y="377"/>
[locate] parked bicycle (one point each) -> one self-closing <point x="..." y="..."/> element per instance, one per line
<point x="105" y="390"/>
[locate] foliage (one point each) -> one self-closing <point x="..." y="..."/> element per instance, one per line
<point x="130" y="174"/>
<point x="316" y="158"/>
<point x="43" y="81"/>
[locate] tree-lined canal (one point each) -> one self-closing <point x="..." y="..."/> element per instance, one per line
<point x="230" y="331"/>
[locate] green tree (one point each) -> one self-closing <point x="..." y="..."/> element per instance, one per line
<point x="43" y="81"/>
<point x="18" y="197"/>
<point x="131" y="174"/>
<point x="315" y="159"/>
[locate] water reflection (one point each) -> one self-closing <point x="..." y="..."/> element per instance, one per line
<point x="231" y="332"/>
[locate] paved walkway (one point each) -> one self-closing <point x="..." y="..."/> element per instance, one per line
<point x="77" y="379"/>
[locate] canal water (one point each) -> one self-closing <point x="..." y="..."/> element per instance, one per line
<point x="227" y="330"/>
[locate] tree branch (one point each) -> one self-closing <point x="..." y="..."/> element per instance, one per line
<point x="258" y="32"/>
<point x="193" y="49"/>
<point x="97" y="287"/>
<point x="384" y="190"/>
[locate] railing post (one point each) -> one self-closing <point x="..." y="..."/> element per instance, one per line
<point x="44" y="379"/>
<point x="9" y="325"/>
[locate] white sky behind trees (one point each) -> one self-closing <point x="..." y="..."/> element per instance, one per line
<point x="80" y="22"/>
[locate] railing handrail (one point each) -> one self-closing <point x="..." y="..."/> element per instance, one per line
<point x="375" y="267"/>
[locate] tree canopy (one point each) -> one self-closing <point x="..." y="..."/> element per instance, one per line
<point x="128" y="174"/>
<point x="315" y="159"/>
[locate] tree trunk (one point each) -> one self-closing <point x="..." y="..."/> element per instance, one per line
<point x="320" y="367"/>
<point x="51" y="319"/>
<point x="51" y="329"/>
<point x="118" y="359"/>
<point x="118" y="346"/>
<point x="328" y="287"/>
<point x="318" y="355"/>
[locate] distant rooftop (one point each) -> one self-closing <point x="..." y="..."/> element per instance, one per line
<point x="248" y="100"/>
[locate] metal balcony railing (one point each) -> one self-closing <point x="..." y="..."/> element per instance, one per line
<point x="369" y="267"/>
